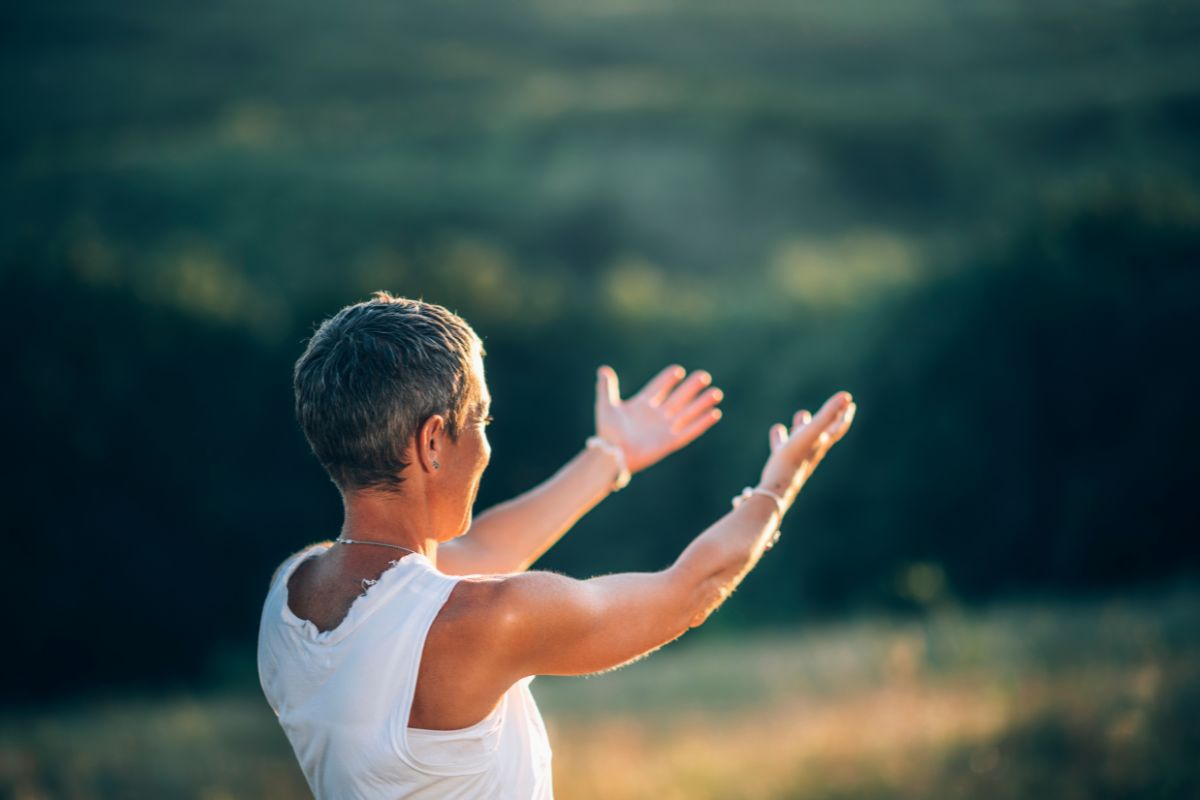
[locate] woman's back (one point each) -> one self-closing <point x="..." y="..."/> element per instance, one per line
<point x="344" y="697"/>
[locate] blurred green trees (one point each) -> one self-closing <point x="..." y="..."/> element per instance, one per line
<point x="982" y="219"/>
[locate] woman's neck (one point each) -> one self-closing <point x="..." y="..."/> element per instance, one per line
<point x="395" y="519"/>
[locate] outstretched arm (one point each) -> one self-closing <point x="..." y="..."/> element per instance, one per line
<point x="510" y="536"/>
<point x="542" y="623"/>
<point x="660" y="419"/>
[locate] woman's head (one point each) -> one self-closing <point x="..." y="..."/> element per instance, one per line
<point x="375" y="375"/>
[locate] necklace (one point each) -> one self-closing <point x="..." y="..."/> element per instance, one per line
<point x="344" y="540"/>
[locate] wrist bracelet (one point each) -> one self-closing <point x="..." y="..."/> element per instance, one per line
<point x="623" y="474"/>
<point x="749" y="491"/>
<point x="781" y="507"/>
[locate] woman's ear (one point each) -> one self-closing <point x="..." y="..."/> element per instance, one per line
<point x="431" y="442"/>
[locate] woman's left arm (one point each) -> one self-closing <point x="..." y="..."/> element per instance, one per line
<point x="511" y="536"/>
<point x="660" y="419"/>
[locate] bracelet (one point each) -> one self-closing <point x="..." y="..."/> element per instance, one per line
<point x="623" y="474"/>
<point x="781" y="508"/>
<point x="750" y="491"/>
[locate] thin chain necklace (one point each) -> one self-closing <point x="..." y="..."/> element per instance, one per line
<point x="344" y="540"/>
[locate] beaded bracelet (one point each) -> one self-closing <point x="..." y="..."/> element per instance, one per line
<point x="623" y="474"/>
<point x="750" y="492"/>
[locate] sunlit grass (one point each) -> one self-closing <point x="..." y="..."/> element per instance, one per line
<point x="1035" y="700"/>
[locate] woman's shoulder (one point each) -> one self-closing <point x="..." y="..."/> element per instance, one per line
<point x="297" y="557"/>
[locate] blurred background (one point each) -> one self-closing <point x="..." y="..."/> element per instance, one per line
<point x="981" y="217"/>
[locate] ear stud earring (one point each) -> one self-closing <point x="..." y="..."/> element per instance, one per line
<point x="436" y="465"/>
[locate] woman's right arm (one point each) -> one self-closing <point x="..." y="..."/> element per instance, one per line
<point x="543" y="623"/>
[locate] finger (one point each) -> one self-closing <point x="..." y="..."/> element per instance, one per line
<point x="698" y="426"/>
<point x="777" y="435"/>
<point x="608" y="388"/>
<point x="833" y="434"/>
<point x="809" y="435"/>
<point x="845" y="421"/>
<point x="800" y="419"/>
<point x="697" y="407"/>
<point x="656" y="390"/>
<point x="687" y="391"/>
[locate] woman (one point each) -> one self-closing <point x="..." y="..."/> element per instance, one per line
<point x="398" y="657"/>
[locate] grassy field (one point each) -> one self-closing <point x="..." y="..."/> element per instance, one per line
<point x="1081" y="700"/>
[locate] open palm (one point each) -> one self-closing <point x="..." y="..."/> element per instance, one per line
<point x="663" y="417"/>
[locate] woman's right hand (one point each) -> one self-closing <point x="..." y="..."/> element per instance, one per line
<point x="796" y="453"/>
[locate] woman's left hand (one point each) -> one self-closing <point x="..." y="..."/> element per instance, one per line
<point x="656" y="421"/>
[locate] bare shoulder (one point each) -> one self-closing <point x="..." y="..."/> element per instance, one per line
<point x="500" y="602"/>
<point x="302" y="553"/>
<point x="486" y="605"/>
<point x="532" y="622"/>
<point x="468" y="659"/>
<point x="499" y="612"/>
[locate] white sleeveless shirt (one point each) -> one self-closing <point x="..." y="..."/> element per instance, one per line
<point x="344" y="696"/>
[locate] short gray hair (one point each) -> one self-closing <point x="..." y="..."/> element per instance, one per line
<point x="370" y="377"/>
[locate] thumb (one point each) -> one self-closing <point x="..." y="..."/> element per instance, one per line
<point x="607" y="388"/>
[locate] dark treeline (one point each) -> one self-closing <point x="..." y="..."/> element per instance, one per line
<point x="982" y="219"/>
<point x="1025" y="424"/>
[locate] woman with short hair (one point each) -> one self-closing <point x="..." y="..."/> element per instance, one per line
<point x="398" y="657"/>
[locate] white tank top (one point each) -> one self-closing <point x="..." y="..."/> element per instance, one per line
<point x="343" y="698"/>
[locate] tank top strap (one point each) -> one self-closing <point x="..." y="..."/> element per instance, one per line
<point x="463" y="751"/>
